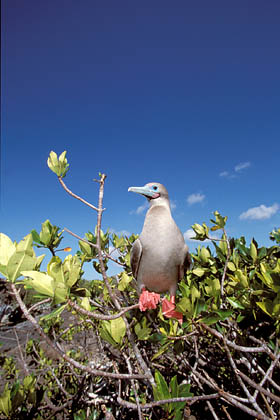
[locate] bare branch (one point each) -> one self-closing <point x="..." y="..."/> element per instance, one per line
<point x="169" y="400"/>
<point x="80" y="238"/>
<point x="257" y="386"/>
<point x="134" y="387"/>
<point x="36" y="305"/>
<point x="262" y="349"/>
<point x="100" y="316"/>
<point x="76" y="196"/>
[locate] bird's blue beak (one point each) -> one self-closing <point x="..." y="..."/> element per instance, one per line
<point x="146" y="191"/>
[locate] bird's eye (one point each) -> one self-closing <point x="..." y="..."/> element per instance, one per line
<point x="155" y="187"/>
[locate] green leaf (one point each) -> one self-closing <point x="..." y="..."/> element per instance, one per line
<point x="25" y="245"/>
<point x="266" y="306"/>
<point x="55" y="269"/>
<point x="161" y="391"/>
<point x="72" y="269"/>
<point x="220" y="220"/>
<point x="39" y="261"/>
<point x="61" y="292"/>
<point x="142" y="331"/>
<point x="242" y="278"/>
<point x="54" y="313"/>
<point x="174" y="387"/>
<point x="223" y="247"/>
<point x="41" y="282"/>
<point x="5" y="401"/>
<point x="204" y="254"/>
<point x="105" y="332"/>
<point x="85" y="303"/>
<point x="201" y="231"/>
<point x="200" y="306"/>
<point x="184" y="305"/>
<point x="231" y="266"/>
<point x="45" y="234"/>
<point x="235" y="303"/>
<point x="125" y="281"/>
<point x="52" y="160"/>
<point x="7" y="248"/>
<point x="262" y="252"/>
<point x="62" y="156"/>
<point x="224" y="314"/>
<point x="86" y="248"/>
<point x="174" y="391"/>
<point x="198" y="229"/>
<point x="19" y="262"/>
<point x="184" y="390"/>
<point x="35" y="236"/>
<point x="199" y="271"/>
<point x="58" y="166"/>
<point x="28" y="382"/>
<point x="118" y="329"/>
<point x="253" y="252"/>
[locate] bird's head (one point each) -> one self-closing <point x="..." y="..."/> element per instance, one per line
<point x="153" y="191"/>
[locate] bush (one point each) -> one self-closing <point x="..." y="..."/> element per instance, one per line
<point x="97" y="355"/>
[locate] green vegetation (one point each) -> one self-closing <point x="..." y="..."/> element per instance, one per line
<point x="222" y="362"/>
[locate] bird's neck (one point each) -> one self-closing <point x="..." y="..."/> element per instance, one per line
<point x="160" y="202"/>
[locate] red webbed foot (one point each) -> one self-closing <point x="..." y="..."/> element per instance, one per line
<point x="168" y="310"/>
<point x="148" y="300"/>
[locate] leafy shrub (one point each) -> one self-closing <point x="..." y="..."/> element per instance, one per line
<point x="223" y="361"/>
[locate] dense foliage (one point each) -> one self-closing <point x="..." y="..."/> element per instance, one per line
<point x="223" y="361"/>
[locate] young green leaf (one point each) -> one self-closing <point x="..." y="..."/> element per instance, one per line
<point x="41" y="282"/>
<point x="161" y="391"/>
<point x="17" y="263"/>
<point x="118" y="329"/>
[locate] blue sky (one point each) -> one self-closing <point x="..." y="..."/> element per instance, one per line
<point x="184" y="93"/>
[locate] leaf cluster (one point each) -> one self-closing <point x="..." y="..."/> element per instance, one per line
<point x="224" y="357"/>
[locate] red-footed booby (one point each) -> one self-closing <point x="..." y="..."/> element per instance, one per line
<point x="159" y="257"/>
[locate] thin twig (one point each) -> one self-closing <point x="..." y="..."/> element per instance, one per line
<point x="268" y="372"/>
<point x="25" y="367"/>
<point x="262" y="349"/>
<point x="168" y="400"/>
<point x="241" y="383"/>
<point x="100" y="316"/>
<point x="257" y="386"/>
<point x="76" y="196"/>
<point x="134" y="387"/>
<point x="36" y="305"/>
<point x="80" y="238"/>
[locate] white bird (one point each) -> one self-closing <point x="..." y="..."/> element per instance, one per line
<point x="160" y="256"/>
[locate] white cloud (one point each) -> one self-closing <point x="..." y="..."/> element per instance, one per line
<point x="140" y="209"/>
<point x="173" y="205"/>
<point x="259" y="213"/>
<point x="241" y="166"/>
<point x="195" y="198"/>
<point x="238" y="169"/>
<point x="224" y="174"/>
